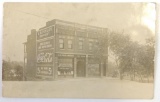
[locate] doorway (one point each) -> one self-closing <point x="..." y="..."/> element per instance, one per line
<point x="81" y="65"/>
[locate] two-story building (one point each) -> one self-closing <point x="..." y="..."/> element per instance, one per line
<point x="64" y="49"/>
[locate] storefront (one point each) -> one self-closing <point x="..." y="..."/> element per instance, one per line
<point x="65" y="50"/>
<point x="65" y="67"/>
<point x="93" y="67"/>
<point x="69" y="66"/>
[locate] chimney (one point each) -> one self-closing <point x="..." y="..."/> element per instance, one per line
<point x="33" y="31"/>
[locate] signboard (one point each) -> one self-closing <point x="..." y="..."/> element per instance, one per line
<point x="45" y="57"/>
<point x="47" y="44"/>
<point x="44" y="70"/>
<point x="68" y="65"/>
<point x="45" y="51"/>
<point x="65" y="55"/>
<point x="80" y="56"/>
<point x="46" y="32"/>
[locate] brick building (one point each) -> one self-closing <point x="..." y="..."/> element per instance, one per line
<point x="64" y="49"/>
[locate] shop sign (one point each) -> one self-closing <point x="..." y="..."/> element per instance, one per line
<point x="65" y="65"/>
<point x="44" y="70"/>
<point x="45" y="44"/>
<point x="46" y="32"/>
<point x="45" y="57"/>
<point x="93" y="66"/>
<point x="65" y="55"/>
<point x="81" y="56"/>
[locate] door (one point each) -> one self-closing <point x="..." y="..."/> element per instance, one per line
<point x="81" y="68"/>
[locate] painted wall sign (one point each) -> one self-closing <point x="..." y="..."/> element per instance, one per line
<point x="45" y="57"/>
<point x="44" y="70"/>
<point x="47" y="44"/>
<point x="46" y="32"/>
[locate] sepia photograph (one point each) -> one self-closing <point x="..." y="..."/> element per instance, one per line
<point x="79" y="50"/>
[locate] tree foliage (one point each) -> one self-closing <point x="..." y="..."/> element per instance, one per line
<point x="12" y="71"/>
<point x="130" y="56"/>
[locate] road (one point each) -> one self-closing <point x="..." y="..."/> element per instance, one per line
<point x="79" y="88"/>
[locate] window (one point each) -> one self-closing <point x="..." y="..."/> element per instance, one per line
<point x="61" y="43"/>
<point x="80" y="45"/>
<point x="70" y="44"/>
<point x="90" y="45"/>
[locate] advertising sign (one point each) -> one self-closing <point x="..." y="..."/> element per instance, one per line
<point x="44" y="70"/>
<point x="65" y="55"/>
<point x="45" y="33"/>
<point x="68" y="65"/>
<point x="45" y="57"/>
<point x="47" y="44"/>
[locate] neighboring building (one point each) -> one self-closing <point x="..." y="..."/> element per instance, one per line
<point x="64" y="49"/>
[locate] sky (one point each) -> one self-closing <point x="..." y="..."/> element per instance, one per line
<point x="136" y="19"/>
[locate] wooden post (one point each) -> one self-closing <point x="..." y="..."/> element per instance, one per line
<point x="75" y="67"/>
<point x="86" y="66"/>
<point x="101" y="66"/>
<point x="106" y="65"/>
<point x="24" y="62"/>
<point x="55" y="68"/>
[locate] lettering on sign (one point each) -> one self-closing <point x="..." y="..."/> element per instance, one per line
<point x="45" y="57"/>
<point x="45" y="44"/>
<point x="65" y="65"/>
<point x="93" y="66"/>
<point x="81" y="56"/>
<point x="44" y="33"/>
<point x="65" y="55"/>
<point x="44" y="70"/>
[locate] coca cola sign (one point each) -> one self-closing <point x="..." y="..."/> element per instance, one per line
<point x="45" y="57"/>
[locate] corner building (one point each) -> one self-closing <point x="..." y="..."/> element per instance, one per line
<point x="64" y="49"/>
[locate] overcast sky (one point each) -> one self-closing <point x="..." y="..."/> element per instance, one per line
<point x="137" y="19"/>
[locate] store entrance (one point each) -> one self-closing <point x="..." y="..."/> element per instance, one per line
<point x="81" y="65"/>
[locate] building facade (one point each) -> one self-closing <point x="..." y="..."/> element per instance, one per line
<point x="64" y="49"/>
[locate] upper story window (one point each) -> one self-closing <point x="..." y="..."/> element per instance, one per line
<point x="70" y="44"/>
<point x="80" y="47"/>
<point x="90" y="46"/>
<point x="80" y="43"/>
<point x="61" y="43"/>
<point x="93" y="43"/>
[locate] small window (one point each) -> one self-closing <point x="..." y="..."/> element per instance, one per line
<point x="61" y="43"/>
<point x="70" y="44"/>
<point x="80" y="45"/>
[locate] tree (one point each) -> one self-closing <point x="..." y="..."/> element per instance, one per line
<point x="145" y="57"/>
<point x="120" y="45"/>
<point x="12" y="71"/>
<point x="130" y="56"/>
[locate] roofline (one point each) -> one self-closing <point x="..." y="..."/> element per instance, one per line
<point x="74" y="23"/>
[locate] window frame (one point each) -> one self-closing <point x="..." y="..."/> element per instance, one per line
<point x="61" y="43"/>
<point x="80" y="46"/>
<point x="71" y="44"/>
